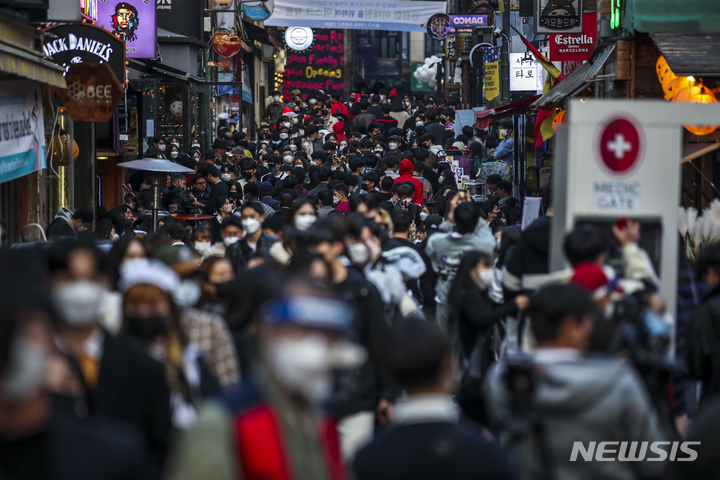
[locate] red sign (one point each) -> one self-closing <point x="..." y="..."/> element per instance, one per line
<point x="575" y="46"/>
<point x="620" y="145"/>
<point x="234" y="104"/>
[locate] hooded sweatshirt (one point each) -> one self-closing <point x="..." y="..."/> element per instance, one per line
<point x="406" y="175"/>
<point x="62" y="225"/>
<point x="587" y="400"/>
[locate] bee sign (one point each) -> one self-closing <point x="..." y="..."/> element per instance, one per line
<point x="93" y="92"/>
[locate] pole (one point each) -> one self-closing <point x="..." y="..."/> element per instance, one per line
<point x="505" y="52"/>
<point x="72" y="163"/>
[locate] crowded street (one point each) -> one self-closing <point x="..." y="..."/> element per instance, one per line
<point x="359" y="240"/>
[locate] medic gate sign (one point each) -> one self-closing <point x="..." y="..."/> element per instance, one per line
<point x="620" y="159"/>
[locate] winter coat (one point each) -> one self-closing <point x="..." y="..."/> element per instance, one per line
<point x="62" y="225"/>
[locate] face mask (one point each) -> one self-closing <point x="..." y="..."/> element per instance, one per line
<point x="393" y="146"/>
<point x="176" y="144"/>
<point x="301" y="132"/>
<point x="286" y="124"/>
<point x="504" y="132"/>
<point x="276" y="98"/>
<point x="336" y="199"/>
<point x="230" y="240"/>
<point x="366" y="187"/>
<point x="196" y="145"/>
<point x="283" y="136"/>
<point x="303" y="222"/>
<point x="227" y="208"/>
<point x="82" y="229"/>
<point x="485" y="278"/>
<point x="406" y="202"/>
<point x="295" y="120"/>
<point x="293" y="148"/>
<point x="378" y="150"/>
<point x="441" y="180"/>
<point x="115" y="237"/>
<point x="145" y="328"/>
<point x="313" y="101"/>
<point x="202" y="247"/>
<point x="305" y="145"/>
<point x="251" y="225"/>
<point x="161" y="148"/>
<point x="423" y="216"/>
<point x="248" y="175"/>
<point x="302" y="365"/>
<point x="226" y="177"/>
<point x="359" y="253"/>
<point x="382" y="97"/>
<point x="173" y="154"/>
<point x="79" y="302"/>
<point x="187" y="293"/>
<point x="288" y="159"/>
<point x="25" y="372"/>
<point x="419" y="124"/>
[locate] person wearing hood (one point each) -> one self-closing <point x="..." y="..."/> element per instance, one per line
<point x="339" y="127"/>
<point x="406" y="175"/>
<point x="67" y="223"/>
<point x="581" y="400"/>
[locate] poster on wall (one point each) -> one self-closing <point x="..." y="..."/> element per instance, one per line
<point x="134" y="22"/>
<point x="567" y="47"/>
<point x="318" y="68"/>
<point x="399" y="16"/>
<point x="22" y="131"/>
<point x="559" y="16"/>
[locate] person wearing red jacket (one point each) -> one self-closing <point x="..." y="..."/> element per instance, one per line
<point x="337" y="106"/>
<point x="406" y="175"/>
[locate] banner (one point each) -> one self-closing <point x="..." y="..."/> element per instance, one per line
<point x="403" y="16"/>
<point x="22" y="131"/>
<point x="565" y="47"/>
<point x="491" y="60"/>
<point x="318" y="68"/>
<point x="134" y="22"/>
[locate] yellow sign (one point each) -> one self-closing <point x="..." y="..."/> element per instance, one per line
<point x="491" y="61"/>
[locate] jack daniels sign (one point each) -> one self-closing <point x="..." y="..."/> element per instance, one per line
<point x="559" y="16"/>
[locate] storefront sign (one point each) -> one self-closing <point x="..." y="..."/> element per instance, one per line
<point x="559" y="16"/>
<point x="468" y="20"/>
<point x="318" y="68"/>
<point x="234" y="104"/>
<point x="22" y="131"/>
<point x="299" y="38"/>
<point x="400" y="16"/>
<point x="184" y="17"/>
<point x="437" y="25"/>
<point x="73" y="44"/>
<point x="134" y="22"/>
<point x="525" y="73"/>
<point x="93" y="92"/>
<point x="565" y="47"/>
<point x="491" y="61"/>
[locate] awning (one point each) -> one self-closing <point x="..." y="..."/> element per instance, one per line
<point x="260" y="34"/>
<point x="26" y="65"/>
<point x="151" y="67"/>
<point x="484" y="117"/>
<point x="688" y="16"/>
<point x="577" y="80"/>
<point x="690" y="54"/>
<point x="691" y="151"/>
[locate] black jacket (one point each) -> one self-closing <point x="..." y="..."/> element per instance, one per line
<point x="218" y="190"/>
<point x="529" y="260"/>
<point x="433" y="450"/>
<point x="59" y="228"/>
<point x="186" y="205"/>
<point x="701" y="352"/>
<point x="172" y="197"/>
<point x="240" y="253"/>
<point x="131" y="387"/>
<point x="437" y="131"/>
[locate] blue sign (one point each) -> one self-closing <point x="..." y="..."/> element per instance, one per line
<point x="468" y="21"/>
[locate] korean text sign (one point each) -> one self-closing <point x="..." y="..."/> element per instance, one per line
<point x="134" y="22"/>
<point x="404" y="16"/>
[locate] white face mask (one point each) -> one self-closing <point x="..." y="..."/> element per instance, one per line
<point x="303" y="222"/>
<point x="276" y="98"/>
<point x="79" y="302"/>
<point x="305" y="145"/>
<point x="423" y="216"/>
<point x="288" y="159"/>
<point x="358" y="253"/>
<point x="187" y="293"/>
<point x="504" y="132"/>
<point x="202" y="247"/>
<point x="283" y="136"/>
<point x="161" y="147"/>
<point x="174" y="154"/>
<point x="441" y="179"/>
<point x="419" y="124"/>
<point x="293" y="148"/>
<point x="485" y="278"/>
<point x="176" y="144"/>
<point x="378" y="150"/>
<point x="406" y="202"/>
<point x="393" y="146"/>
<point x="196" y="145"/>
<point x="115" y="237"/>
<point x="294" y="120"/>
<point x="251" y="225"/>
<point x="226" y="177"/>
<point x="286" y="124"/>
<point x="313" y="101"/>
<point x="25" y="371"/>
<point x="230" y="240"/>
<point x="301" y="132"/>
<point x="336" y="199"/>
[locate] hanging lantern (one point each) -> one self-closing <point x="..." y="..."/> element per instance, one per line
<point x="697" y="94"/>
<point x="61" y="150"/>
<point x="558" y="120"/>
<point x="665" y="77"/>
<point x="660" y="65"/>
<point x="678" y="84"/>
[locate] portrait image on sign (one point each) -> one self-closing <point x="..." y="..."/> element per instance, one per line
<point x="134" y="22"/>
<point x="619" y="145"/>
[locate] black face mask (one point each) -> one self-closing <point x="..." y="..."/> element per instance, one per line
<point x="145" y="328"/>
<point x="248" y="175"/>
<point x="366" y="187"/>
<point x="233" y="194"/>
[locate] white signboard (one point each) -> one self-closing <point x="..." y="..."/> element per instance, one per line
<point x="621" y="159"/>
<point x="526" y="74"/>
<point x="22" y="131"/>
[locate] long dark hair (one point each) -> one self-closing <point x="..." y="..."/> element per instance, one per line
<point x="464" y="282"/>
